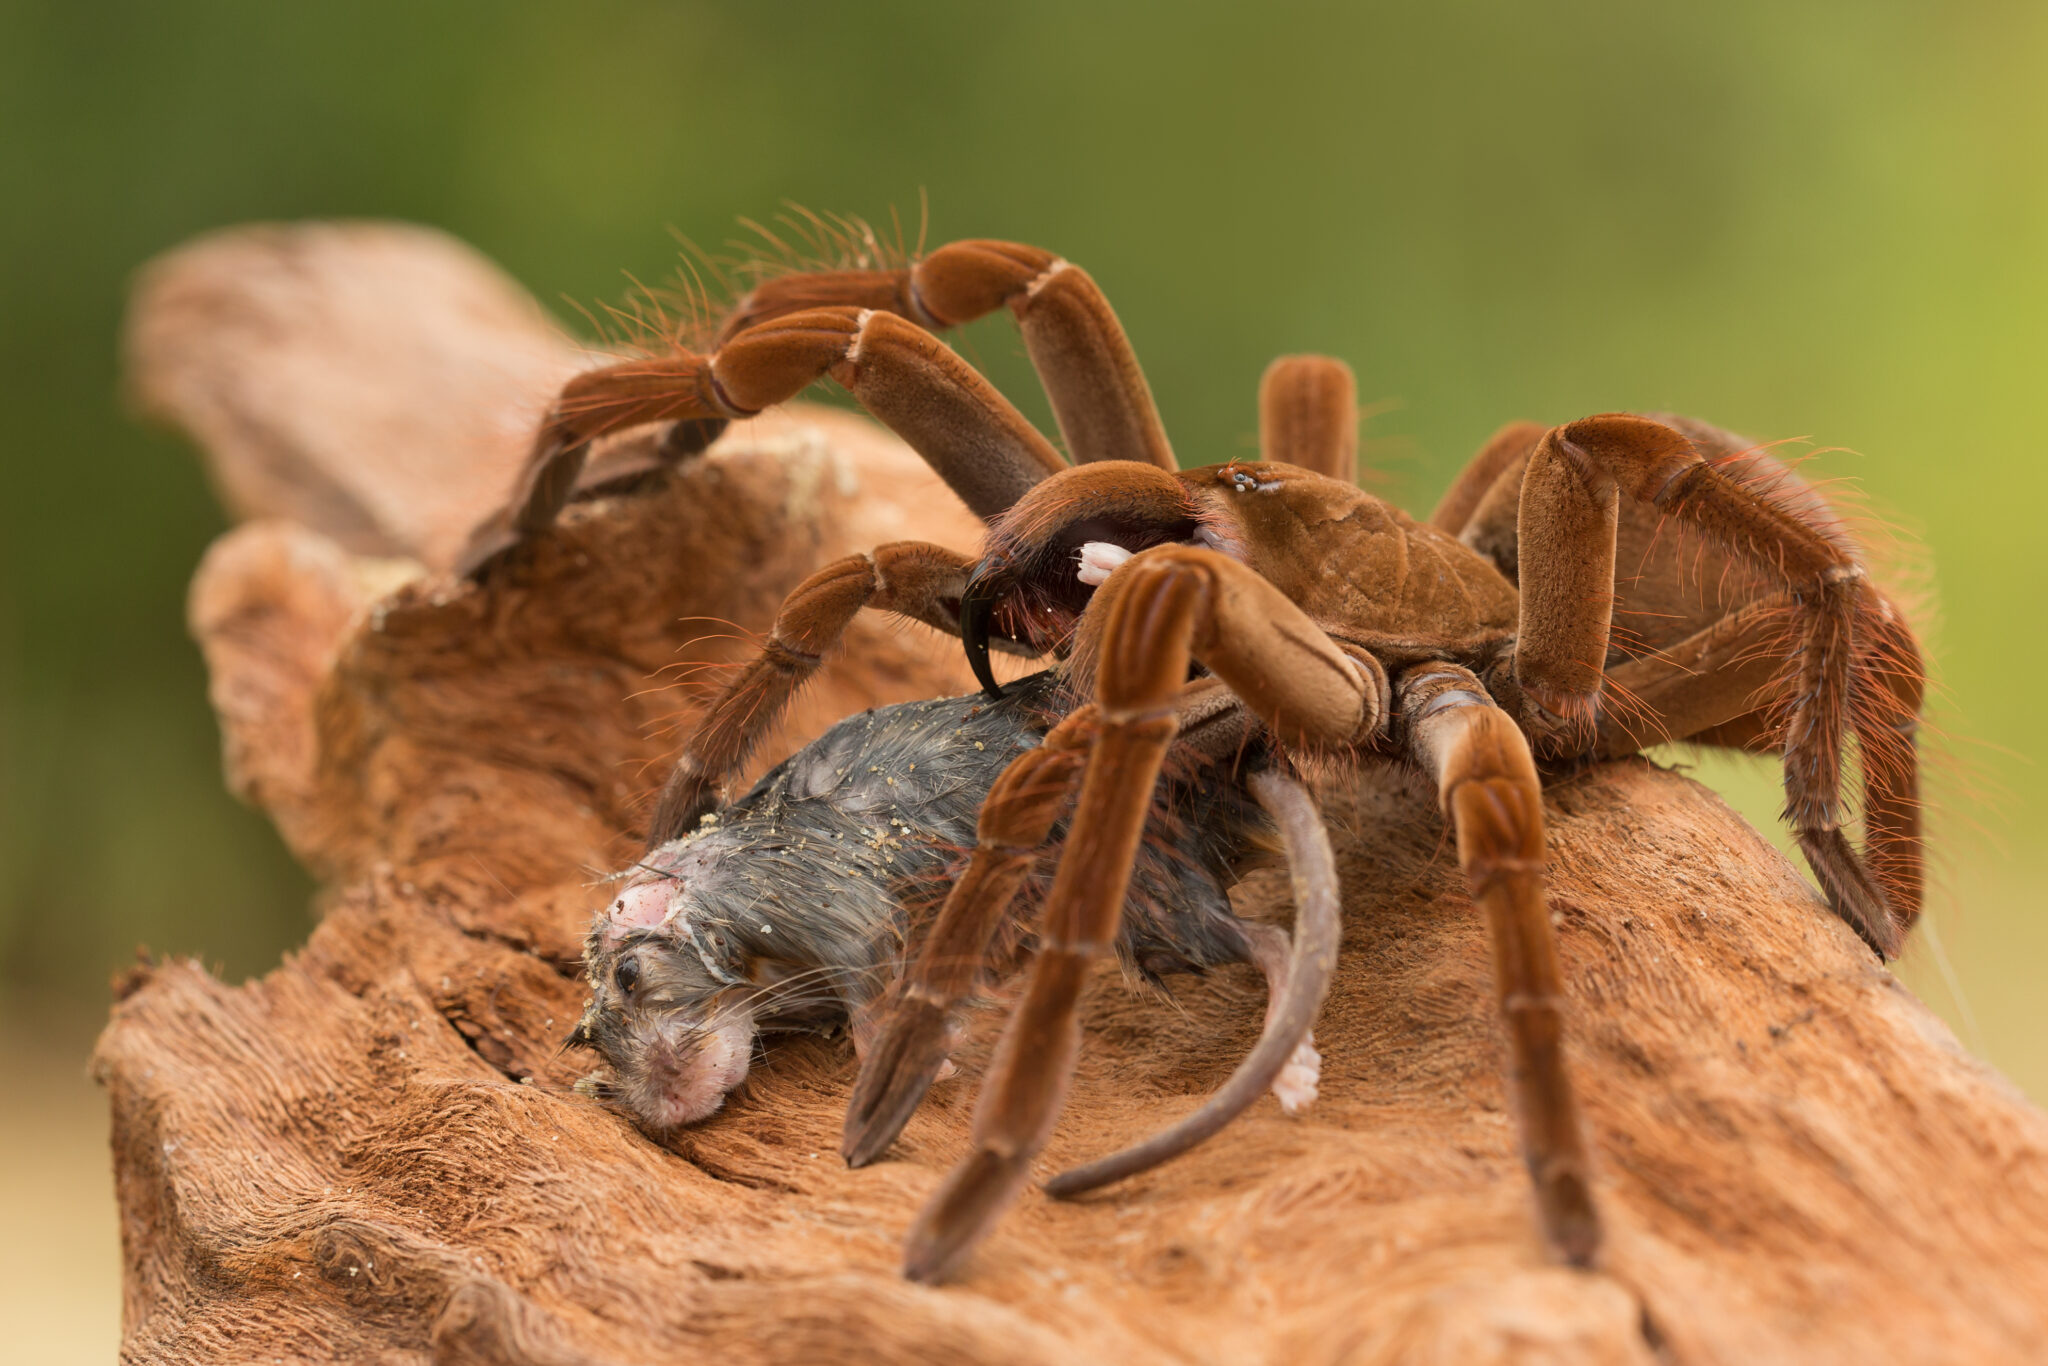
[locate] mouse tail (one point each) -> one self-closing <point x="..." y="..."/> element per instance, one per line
<point x="1298" y="973"/>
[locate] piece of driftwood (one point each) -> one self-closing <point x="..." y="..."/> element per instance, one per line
<point x="373" y="1153"/>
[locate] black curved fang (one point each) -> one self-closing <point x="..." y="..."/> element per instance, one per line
<point x="976" y="611"/>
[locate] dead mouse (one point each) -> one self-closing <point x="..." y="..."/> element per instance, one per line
<point x="789" y="908"/>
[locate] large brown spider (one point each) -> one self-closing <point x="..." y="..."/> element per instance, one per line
<point x="1193" y="607"/>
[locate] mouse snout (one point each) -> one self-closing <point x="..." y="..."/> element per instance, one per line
<point x="687" y="1070"/>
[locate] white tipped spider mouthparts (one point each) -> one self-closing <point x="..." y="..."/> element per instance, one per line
<point x="1099" y="560"/>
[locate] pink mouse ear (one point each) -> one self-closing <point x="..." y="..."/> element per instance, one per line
<point x="643" y="906"/>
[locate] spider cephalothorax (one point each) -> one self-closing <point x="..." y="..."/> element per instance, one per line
<point x="1581" y="592"/>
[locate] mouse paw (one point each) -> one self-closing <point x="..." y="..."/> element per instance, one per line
<point x="1295" y="1087"/>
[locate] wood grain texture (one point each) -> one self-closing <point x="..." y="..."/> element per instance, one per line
<point x="373" y="1153"/>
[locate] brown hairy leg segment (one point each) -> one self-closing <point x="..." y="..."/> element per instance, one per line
<point x="968" y="432"/>
<point x="1099" y="395"/>
<point x="1308" y="415"/>
<point x="916" y="1029"/>
<point x="910" y="578"/>
<point x="1848" y="646"/>
<point x="1311" y="962"/>
<point x="1487" y="784"/>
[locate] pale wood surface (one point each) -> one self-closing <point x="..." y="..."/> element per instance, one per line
<point x="372" y="1153"/>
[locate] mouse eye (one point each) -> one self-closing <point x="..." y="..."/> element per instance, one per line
<point x="627" y="973"/>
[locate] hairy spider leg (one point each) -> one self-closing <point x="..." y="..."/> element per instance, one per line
<point x="919" y="1025"/>
<point x="1487" y="785"/>
<point x="1851" y="668"/>
<point x="909" y="578"/>
<point x="918" y="387"/>
<point x="1887" y="746"/>
<point x="1308" y="415"/>
<point x="1084" y="360"/>
<point x="1723" y="667"/>
<point x="1473" y="497"/>
<point x="1158" y="611"/>
<point x="1293" y="999"/>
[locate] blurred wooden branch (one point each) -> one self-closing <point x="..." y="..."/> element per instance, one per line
<point x="373" y="1152"/>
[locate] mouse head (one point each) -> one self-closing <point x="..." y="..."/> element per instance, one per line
<point x="672" y="1004"/>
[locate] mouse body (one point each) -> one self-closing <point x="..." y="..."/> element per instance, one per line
<point x="790" y="907"/>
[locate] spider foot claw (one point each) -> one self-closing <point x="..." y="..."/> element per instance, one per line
<point x="489" y="545"/>
<point x="1571" y="1223"/>
<point x="974" y="1196"/>
<point x="907" y="1056"/>
<point x="1851" y="891"/>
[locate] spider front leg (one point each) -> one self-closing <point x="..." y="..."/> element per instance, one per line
<point x="912" y="579"/>
<point x="1293" y="1000"/>
<point x="970" y="434"/>
<point x="915" y="1028"/>
<point x="1158" y="611"/>
<point x="1099" y="396"/>
<point x="1487" y="785"/>
<point x="1853" y="668"/>
<point x="916" y="1031"/>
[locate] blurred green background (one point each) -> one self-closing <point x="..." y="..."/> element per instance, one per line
<point x="1824" y="219"/>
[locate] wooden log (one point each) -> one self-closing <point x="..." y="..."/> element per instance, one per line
<point x="373" y="1153"/>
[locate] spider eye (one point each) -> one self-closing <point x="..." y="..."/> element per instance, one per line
<point x="627" y="973"/>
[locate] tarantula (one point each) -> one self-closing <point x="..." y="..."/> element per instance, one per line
<point x="1582" y="592"/>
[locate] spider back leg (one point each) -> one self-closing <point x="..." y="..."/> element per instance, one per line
<point x="1487" y="784"/>
<point x="1851" y="669"/>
